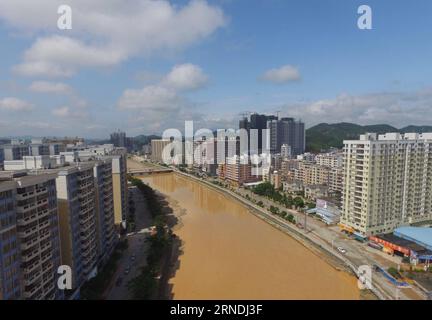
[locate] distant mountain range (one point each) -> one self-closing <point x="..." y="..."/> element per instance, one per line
<point x="324" y="135"/>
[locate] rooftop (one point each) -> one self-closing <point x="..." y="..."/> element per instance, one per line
<point x="419" y="235"/>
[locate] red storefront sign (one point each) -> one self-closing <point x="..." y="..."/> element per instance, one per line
<point x="390" y="245"/>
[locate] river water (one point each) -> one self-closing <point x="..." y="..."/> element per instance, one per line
<point x="228" y="253"/>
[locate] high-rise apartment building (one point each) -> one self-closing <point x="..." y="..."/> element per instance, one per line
<point x="1" y="158"/>
<point x="30" y="235"/>
<point x="387" y="182"/>
<point x="258" y="122"/>
<point x="118" y="139"/>
<point x="286" y="131"/>
<point x="10" y="283"/>
<point x="103" y="175"/>
<point x="157" y="147"/>
<point x="120" y="186"/>
<point x="15" y="151"/>
<point x="77" y="212"/>
<point x="39" y="149"/>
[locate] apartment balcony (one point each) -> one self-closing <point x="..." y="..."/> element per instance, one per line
<point x="45" y="246"/>
<point x="35" y="277"/>
<point x="47" y="267"/>
<point x="25" y="196"/>
<point x="85" y="213"/>
<point x="28" y="232"/>
<point x="33" y="293"/>
<point x="28" y="219"/>
<point x="85" y="177"/>
<point x="27" y="257"/>
<point x="87" y="237"/>
<point x="29" y="243"/>
<point x="48" y="279"/>
<point x="46" y="257"/>
<point x="26" y="208"/>
<point x="48" y="289"/>
<point x="32" y="267"/>
<point x="85" y="227"/>
<point x="44" y="235"/>
<point x="44" y="224"/>
<point x="42" y="202"/>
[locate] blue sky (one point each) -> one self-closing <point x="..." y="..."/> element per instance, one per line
<point x="154" y="64"/>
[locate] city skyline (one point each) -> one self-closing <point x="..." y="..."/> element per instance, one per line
<point x="209" y="61"/>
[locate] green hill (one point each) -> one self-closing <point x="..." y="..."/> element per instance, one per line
<point x="324" y="135"/>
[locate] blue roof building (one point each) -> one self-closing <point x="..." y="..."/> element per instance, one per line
<point x="420" y="235"/>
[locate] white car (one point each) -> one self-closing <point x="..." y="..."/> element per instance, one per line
<point x="341" y="250"/>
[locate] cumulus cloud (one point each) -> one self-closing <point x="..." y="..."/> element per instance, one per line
<point x="50" y="87"/>
<point x="185" y="77"/>
<point x="15" y="104"/>
<point x="152" y="97"/>
<point x="283" y="74"/>
<point x="106" y="33"/>
<point x="69" y="113"/>
<point x="395" y="108"/>
<point x="161" y="104"/>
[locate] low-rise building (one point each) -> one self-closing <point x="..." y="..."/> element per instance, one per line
<point x="313" y="192"/>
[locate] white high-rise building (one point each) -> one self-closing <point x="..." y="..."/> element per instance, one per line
<point x="387" y="182"/>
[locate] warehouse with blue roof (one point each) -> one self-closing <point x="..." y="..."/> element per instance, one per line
<point x="421" y="236"/>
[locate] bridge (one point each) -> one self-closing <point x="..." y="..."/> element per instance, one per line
<point x="148" y="171"/>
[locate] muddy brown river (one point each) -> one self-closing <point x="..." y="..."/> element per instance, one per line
<point x="228" y="253"/>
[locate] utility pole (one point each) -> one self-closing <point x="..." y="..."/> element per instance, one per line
<point x="305" y="221"/>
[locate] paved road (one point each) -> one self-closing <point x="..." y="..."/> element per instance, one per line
<point x="137" y="246"/>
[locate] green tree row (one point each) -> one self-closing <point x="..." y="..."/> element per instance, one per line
<point x="266" y="189"/>
<point x="145" y="285"/>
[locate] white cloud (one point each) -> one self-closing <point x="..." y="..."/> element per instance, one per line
<point x="42" y="69"/>
<point x="283" y="74"/>
<point x="106" y="33"/>
<point x="185" y="77"/>
<point x="59" y="56"/>
<point x="15" y="104"/>
<point x="69" y="113"/>
<point x="160" y="105"/>
<point x="50" y="87"/>
<point x="395" y="108"/>
<point x="155" y="98"/>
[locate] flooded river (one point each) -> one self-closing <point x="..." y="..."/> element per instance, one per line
<point x="228" y="253"/>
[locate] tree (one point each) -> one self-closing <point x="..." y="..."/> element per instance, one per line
<point x="298" y="202"/>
